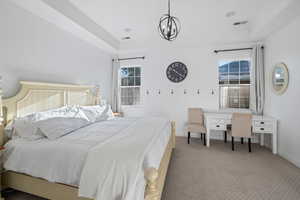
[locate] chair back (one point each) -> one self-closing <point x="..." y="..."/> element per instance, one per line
<point x="242" y="125"/>
<point x="195" y="115"/>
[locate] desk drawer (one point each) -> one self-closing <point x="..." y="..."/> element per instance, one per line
<point x="220" y="127"/>
<point x="220" y="121"/>
<point x="266" y="129"/>
<point x="262" y="123"/>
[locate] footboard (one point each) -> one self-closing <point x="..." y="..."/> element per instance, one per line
<point x="156" y="178"/>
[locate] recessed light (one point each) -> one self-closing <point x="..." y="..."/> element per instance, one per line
<point x="127" y="30"/>
<point x="230" y="14"/>
<point x="240" y="23"/>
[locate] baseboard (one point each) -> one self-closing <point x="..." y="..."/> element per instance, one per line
<point x="290" y="159"/>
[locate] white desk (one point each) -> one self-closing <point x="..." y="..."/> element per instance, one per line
<point x="261" y="124"/>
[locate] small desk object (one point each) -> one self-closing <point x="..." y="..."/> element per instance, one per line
<point x="218" y="121"/>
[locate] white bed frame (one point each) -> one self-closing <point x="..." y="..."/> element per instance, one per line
<point x="35" y="97"/>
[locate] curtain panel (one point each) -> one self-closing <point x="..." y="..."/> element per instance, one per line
<point x="116" y="104"/>
<point x="257" y="89"/>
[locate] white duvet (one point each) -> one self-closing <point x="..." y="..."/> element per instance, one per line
<point x="113" y="168"/>
<point x="62" y="160"/>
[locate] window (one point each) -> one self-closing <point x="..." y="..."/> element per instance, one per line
<point x="130" y="85"/>
<point x="234" y="84"/>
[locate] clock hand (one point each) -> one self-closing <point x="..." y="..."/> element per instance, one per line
<point x="178" y="73"/>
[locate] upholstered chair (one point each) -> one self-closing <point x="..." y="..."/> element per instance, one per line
<point x="196" y="123"/>
<point x="241" y="127"/>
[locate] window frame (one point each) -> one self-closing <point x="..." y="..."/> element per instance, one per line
<point x="120" y="85"/>
<point x="234" y="84"/>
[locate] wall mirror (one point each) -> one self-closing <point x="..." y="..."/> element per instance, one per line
<point x="280" y="78"/>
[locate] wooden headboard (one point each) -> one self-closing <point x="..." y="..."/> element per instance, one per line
<point x="36" y="97"/>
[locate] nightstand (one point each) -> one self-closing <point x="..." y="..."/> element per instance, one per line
<point x="118" y="114"/>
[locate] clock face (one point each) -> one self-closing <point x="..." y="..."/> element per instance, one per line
<point x="177" y="72"/>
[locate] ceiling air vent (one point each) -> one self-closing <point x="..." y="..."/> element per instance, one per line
<point x="240" y="23"/>
<point x="126" y="38"/>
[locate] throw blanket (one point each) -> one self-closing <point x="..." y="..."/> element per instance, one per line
<point x="113" y="168"/>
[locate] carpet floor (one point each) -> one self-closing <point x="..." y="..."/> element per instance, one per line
<point x="217" y="173"/>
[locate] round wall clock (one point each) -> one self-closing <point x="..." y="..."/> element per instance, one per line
<point x="177" y="72"/>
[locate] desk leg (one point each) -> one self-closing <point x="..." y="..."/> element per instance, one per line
<point x="262" y="137"/>
<point x="274" y="138"/>
<point x="208" y="138"/>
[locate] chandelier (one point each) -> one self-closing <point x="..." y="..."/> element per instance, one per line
<point x="169" y="26"/>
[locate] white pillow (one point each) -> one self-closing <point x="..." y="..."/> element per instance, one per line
<point x="98" y="112"/>
<point x="8" y="130"/>
<point x="54" y="128"/>
<point x="26" y="129"/>
<point x="110" y="115"/>
<point x="66" y="111"/>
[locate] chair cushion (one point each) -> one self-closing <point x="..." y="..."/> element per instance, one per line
<point x="196" y="128"/>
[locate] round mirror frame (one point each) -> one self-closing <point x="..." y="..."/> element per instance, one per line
<point x="286" y="78"/>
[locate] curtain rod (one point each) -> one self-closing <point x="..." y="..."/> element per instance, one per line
<point x="133" y="58"/>
<point x="241" y="49"/>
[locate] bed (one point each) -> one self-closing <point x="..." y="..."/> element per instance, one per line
<point x="35" y="97"/>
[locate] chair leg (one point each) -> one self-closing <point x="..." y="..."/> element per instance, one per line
<point x="189" y="137"/>
<point x="204" y="139"/>
<point x="232" y="143"/>
<point x="225" y="136"/>
<point x="249" y="144"/>
<point x="242" y="140"/>
<point x="201" y="135"/>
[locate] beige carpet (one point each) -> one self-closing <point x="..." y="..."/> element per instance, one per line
<point x="217" y="173"/>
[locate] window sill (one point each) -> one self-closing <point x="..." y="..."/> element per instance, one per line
<point x="232" y="110"/>
<point x="131" y="106"/>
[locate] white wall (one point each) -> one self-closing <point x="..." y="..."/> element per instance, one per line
<point x="202" y="75"/>
<point x="35" y="50"/>
<point x="284" y="46"/>
<point x="202" y="64"/>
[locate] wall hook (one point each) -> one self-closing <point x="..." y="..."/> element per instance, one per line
<point x="172" y="92"/>
<point x="147" y="92"/>
<point x="184" y="91"/>
<point x="212" y="92"/>
<point x="198" y="91"/>
<point x="158" y="91"/>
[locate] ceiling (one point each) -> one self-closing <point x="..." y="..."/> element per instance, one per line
<point x="203" y="22"/>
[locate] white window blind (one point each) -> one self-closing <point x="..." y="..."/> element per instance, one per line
<point x="130" y="85"/>
<point x="234" y="83"/>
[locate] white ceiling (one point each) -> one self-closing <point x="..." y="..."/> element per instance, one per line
<point x="203" y="21"/>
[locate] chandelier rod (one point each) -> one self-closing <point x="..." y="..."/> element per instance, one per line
<point x="169" y="8"/>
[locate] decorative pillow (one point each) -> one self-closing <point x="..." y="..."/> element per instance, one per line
<point x="98" y="112"/>
<point x="55" y="128"/>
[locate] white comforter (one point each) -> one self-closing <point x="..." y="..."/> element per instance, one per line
<point x="113" y="168"/>
<point x="62" y="160"/>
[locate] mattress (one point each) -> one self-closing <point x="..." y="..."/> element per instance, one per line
<point x="62" y="160"/>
